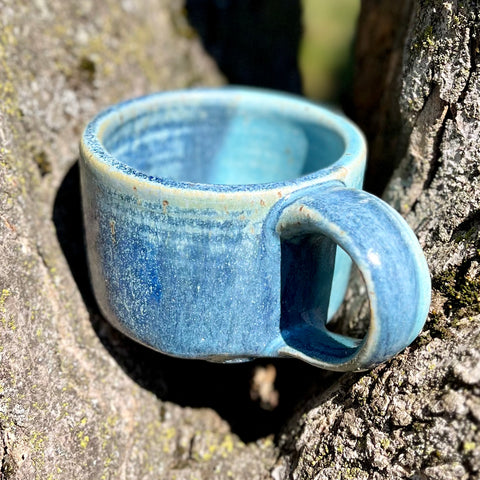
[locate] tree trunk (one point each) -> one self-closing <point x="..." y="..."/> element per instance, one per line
<point x="417" y="97"/>
<point x="80" y="401"/>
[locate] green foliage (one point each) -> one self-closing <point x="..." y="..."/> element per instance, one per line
<point x="325" y="50"/>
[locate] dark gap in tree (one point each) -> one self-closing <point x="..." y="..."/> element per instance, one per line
<point x="254" y="42"/>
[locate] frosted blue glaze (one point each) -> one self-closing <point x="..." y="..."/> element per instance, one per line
<point x="213" y="219"/>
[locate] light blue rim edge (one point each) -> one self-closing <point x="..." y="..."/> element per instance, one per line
<point x="92" y="148"/>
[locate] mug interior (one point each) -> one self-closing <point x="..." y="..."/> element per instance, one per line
<point x="222" y="137"/>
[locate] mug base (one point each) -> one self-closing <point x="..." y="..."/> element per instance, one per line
<point x="230" y="360"/>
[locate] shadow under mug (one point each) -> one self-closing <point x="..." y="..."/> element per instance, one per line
<point x="214" y="220"/>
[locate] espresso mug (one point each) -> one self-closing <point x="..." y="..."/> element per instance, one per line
<point x="221" y="225"/>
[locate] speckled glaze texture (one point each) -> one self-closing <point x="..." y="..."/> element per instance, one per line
<point x="217" y="223"/>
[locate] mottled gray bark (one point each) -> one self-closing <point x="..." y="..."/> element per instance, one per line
<point x="417" y="97"/>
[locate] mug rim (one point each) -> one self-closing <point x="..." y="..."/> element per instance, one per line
<point x="93" y="150"/>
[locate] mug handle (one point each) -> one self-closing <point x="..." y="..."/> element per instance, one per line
<point x="390" y="259"/>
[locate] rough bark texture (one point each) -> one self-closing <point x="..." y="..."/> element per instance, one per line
<point x="418" y="415"/>
<point x="78" y="400"/>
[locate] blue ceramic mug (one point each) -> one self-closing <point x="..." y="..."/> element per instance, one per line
<point x="221" y="224"/>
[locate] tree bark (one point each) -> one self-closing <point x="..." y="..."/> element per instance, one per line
<point x="79" y="400"/>
<point x="417" y="97"/>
